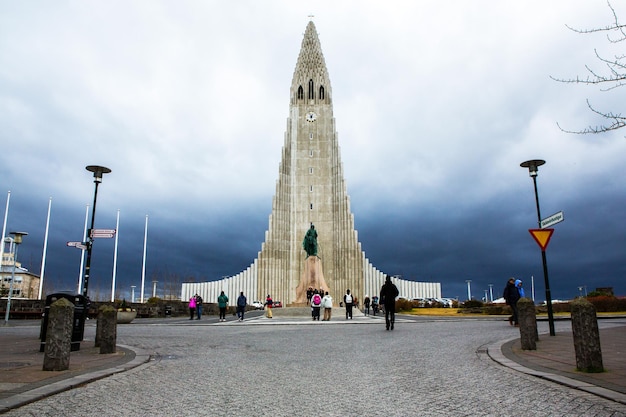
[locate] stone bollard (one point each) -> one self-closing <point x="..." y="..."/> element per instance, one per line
<point x="527" y="323"/>
<point x="586" y="336"/>
<point x="107" y="321"/>
<point x="99" y="327"/>
<point x="59" y="336"/>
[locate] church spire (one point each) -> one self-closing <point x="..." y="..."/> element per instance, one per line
<point x="311" y="83"/>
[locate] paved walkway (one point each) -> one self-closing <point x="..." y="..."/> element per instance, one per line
<point x="22" y="381"/>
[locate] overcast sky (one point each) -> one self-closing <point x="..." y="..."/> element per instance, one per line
<point x="436" y="105"/>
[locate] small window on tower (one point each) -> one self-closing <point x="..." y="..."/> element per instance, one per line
<point x="321" y="93"/>
<point x="311" y="136"/>
<point x="311" y="90"/>
<point x="311" y="153"/>
<point x="311" y="206"/>
<point x="311" y="188"/>
<point x="300" y="93"/>
<point x="311" y="170"/>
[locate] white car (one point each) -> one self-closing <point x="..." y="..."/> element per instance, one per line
<point x="257" y="305"/>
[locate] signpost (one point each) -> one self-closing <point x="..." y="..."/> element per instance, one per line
<point x="78" y="245"/>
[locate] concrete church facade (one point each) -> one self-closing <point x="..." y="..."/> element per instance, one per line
<point x="310" y="191"/>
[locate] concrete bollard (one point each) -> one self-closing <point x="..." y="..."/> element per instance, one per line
<point x="527" y="323"/>
<point x="99" y="327"/>
<point x="107" y="322"/>
<point x="586" y="336"/>
<point x="59" y="336"/>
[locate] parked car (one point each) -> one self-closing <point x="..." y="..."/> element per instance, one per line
<point x="257" y="305"/>
<point x="277" y="304"/>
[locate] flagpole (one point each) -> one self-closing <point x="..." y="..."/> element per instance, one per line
<point x="117" y="227"/>
<point x="4" y="228"/>
<point x="45" y="249"/>
<point x="82" y="254"/>
<point x="143" y="268"/>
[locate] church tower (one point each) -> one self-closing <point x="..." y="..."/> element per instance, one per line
<point x="310" y="191"/>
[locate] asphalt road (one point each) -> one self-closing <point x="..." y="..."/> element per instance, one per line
<point x="295" y="367"/>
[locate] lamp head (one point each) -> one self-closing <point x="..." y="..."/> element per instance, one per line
<point x="533" y="166"/>
<point x="17" y="237"/>
<point x="98" y="171"/>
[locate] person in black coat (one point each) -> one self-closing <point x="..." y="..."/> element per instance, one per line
<point x="511" y="296"/>
<point x="388" y="294"/>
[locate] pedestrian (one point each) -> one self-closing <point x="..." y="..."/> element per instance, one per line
<point x="327" y="304"/>
<point x="222" y="303"/>
<point x="348" y="301"/>
<point x="242" y="302"/>
<point x="388" y="294"/>
<point x="316" y="303"/>
<point x="518" y="285"/>
<point x="268" y="304"/>
<point x="366" y="305"/>
<point x="375" y="304"/>
<point x="192" y="307"/>
<point x="511" y="295"/>
<point x="198" y="307"/>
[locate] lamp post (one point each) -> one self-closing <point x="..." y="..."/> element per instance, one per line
<point x="132" y="293"/>
<point x="98" y="171"/>
<point x="15" y="241"/>
<point x="533" y="169"/>
<point x="469" y="289"/>
<point x="491" y="292"/>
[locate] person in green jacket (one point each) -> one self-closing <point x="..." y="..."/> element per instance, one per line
<point x="222" y="303"/>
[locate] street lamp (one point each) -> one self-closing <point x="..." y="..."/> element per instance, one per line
<point x="15" y="241"/>
<point x="98" y="171"/>
<point x="469" y="289"/>
<point x="533" y="169"/>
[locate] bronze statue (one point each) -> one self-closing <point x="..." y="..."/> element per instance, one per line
<point x="309" y="244"/>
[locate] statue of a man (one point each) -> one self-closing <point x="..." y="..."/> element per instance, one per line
<point x="309" y="244"/>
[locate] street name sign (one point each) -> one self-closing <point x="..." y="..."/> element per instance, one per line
<point x="542" y="237"/>
<point x="102" y="233"/>
<point x="78" y="245"/>
<point x="552" y="220"/>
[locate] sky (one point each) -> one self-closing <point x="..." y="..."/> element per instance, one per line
<point x="436" y="105"/>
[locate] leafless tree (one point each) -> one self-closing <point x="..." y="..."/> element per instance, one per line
<point x="612" y="76"/>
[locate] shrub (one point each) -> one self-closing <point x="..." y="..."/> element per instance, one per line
<point x="605" y="303"/>
<point x="404" y="305"/>
<point x="472" y="304"/>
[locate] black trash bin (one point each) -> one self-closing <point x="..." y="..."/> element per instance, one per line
<point x="168" y="311"/>
<point x="81" y="306"/>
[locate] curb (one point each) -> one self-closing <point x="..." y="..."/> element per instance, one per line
<point x="140" y="357"/>
<point x="494" y="351"/>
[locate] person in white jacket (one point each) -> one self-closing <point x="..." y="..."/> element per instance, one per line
<point x="327" y="304"/>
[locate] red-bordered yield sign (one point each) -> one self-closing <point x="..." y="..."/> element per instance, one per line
<point x="542" y="237"/>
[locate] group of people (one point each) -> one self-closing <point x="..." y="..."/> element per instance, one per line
<point x="512" y="293"/>
<point x="318" y="299"/>
<point x="195" y="306"/>
<point x="373" y="302"/>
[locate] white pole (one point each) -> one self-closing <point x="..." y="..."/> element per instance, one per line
<point x="4" y="228"/>
<point x="143" y="268"/>
<point x="117" y="230"/>
<point x="82" y="254"/>
<point x="45" y="249"/>
<point x="532" y="287"/>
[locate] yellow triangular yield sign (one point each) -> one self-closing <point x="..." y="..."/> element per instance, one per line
<point x="542" y="237"/>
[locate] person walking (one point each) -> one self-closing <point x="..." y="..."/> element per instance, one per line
<point x="388" y="294"/>
<point x="511" y="295"/>
<point x="316" y="303"/>
<point x="268" y="306"/>
<point x="327" y="304"/>
<point x="192" y="307"/>
<point x="348" y="301"/>
<point x="222" y="303"/>
<point x="375" y="304"/>
<point x="242" y="302"/>
<point x="366" y="305"/>
<point x="198" y="307"/>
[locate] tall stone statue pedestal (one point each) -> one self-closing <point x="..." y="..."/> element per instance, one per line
<point x="312" y="277"/>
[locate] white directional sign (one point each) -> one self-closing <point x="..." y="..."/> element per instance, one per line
<point x="79" y="245"/>
<point x="554" y="219"/>
<point x="102" y="233"/>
